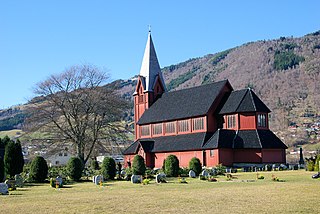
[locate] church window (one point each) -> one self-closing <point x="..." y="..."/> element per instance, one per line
<point x="157" y="129"/>
<point x="211" y="153"/>
<point x="231" y="121"/>
<point x="183" y="126"/>
<point x="198" y="123"/>
<point x="170" y="127"/>
<point x="145" y="130"/>
<point x="262" y="122"/>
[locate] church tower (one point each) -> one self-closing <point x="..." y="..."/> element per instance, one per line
<point x="150" y="84"/>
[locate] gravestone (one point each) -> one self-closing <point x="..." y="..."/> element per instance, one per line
<point x="214" y="172"/>
<point x="59" y="180"/>
<point x="160" y="178"/>
<point x="136" y="179"/>
<point x="192" y="174"/>
<point x="3" y="189"/>
<point x="98" y="179"/>
<point x="93" y="179"/>
<point x="11" y="184"/>
<point x="19" y="180"/>
<point x="123" y="173"/>
<point x="205" y="173"/>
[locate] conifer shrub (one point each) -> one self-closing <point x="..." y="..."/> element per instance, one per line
<point x="1" y="170"/>
<point x="171" y="167"/>
<point x="195" y="165"/>
<point x="9" y="159"/>
<point x="18" y="160"/>
<point x="138" y="165"/>
<point x="38" y="169"/>
<point x="316" y="164"/>
<point x="75" y="168"/>
<point x="108" y="168"/>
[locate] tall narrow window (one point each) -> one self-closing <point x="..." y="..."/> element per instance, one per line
<point x="145" y="130"/>
<point x="198" y="123"/>
<point x="170" y="127"/>
<point x="157" y="129"/>
<point x="231" y="121"/>
<point x="262" y="122"/>
<point x="183" y="126"/>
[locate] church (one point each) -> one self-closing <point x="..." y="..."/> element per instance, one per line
<point x="213" y="122"/>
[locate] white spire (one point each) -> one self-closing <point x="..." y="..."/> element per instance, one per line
<point x="150" y="66"/>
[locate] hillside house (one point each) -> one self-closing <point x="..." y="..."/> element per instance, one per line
<point x="58" y="157"/>
<point x="212" y="122"/>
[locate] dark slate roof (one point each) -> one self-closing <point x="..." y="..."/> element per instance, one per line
<point x="184" y="103"/>
<point x="244" y="139"/>
<point x="222" y="138"/>
<point x="185" y="142"/>
<point x="243" y="101"/>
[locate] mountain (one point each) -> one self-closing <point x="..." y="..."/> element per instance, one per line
<point x="284" y="73"/>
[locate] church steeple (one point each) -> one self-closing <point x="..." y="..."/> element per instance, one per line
<point x="150" y="68"/>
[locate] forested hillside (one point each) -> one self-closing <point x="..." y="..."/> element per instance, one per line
<point x="285" y="73"/>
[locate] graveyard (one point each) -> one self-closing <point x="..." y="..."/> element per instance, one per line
<point x="240" y="192"/>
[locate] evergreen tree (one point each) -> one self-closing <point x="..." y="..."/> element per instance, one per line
<point x="108" y="168"/>
<point x="75" y="167"/>
<point x="18" y="158"/>
<point x="195" y="165"/>
<point x="38" y="169"/>
<point x="171" y="167"/>
<point x="9" y="159"/>
<point x="1" y="170"/>
<point x="138" y="165"/>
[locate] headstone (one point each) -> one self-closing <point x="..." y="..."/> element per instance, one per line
<point x="98" y="179"/>
<point x="205" y="173"/>
<point x="19" y="180"/>
<point x="214" y="172"/>
<point x="93" y="179"/>
<point x="11" y="184"/>
<point x="136" y="179"/>
<point x="160" y="178"/>
<point x="123" y="172"/>
<point x="3" y="189"/>
<point x="192" y="174"/>
<point x="59" y="179"/>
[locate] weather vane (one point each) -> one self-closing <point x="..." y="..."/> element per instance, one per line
<point x="149" y="26"/>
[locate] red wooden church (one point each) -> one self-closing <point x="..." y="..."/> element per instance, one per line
<point x="211" y="122"/>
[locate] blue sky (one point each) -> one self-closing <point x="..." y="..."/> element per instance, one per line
<point x="40" y="38"/>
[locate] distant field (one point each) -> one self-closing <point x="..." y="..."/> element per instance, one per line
<point x="299" y="194"/>
<point x="11" y="133"/>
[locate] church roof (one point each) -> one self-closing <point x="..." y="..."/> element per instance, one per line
<point x="222" y="138"/>
<point x="243" y="101"/>
<point x="183" y="142"/>
<point x="183" y="103"/>
<point x="150" y="67"/>
<point x="244" y="139"/>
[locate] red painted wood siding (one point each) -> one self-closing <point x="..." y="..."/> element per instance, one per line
<point x="225" y="157"/>
<point x="247" y="121"/>
<point x="273" y="156"/>
<point x="247" y="156"/>
<point x="184" y="157"/>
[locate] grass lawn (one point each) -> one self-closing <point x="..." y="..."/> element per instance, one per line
<point x="298" y="194"/>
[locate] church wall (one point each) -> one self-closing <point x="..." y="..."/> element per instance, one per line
<point x="247" y="121"/>
<point x="212" y="157"/>
<point x="273" y="156"/>
<point x="184" y="157"/>
<point x="225" y="157"/>
<point x="247" y="156"/>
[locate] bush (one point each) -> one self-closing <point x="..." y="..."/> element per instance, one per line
<point x="74" y="168"/>
<point x="220" y="169"/>
<point x="108" y="168"/>
<point x="38" y="169"/>
<point x="316" y="164"/>
<point x="286" y="60"/>
<point x="138" y="165"/>
<point x="1" y="170"/>
<point x="195" y="165"/>
<point x="310" y="165"/>
<point x="171" y="166"/>
<point x="94" y="165"/>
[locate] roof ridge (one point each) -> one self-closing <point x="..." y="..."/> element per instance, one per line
<point x="241" y="100"/>
<point x="234" y="138"/>
<point x="259" y="138"/>
<point x="199" y="86"/>
<point x="254" y="105"/>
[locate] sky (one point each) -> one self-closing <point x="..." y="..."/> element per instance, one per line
<point x="41" y="38"/>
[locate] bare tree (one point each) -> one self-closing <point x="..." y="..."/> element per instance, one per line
<point x="76" y="108"/>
